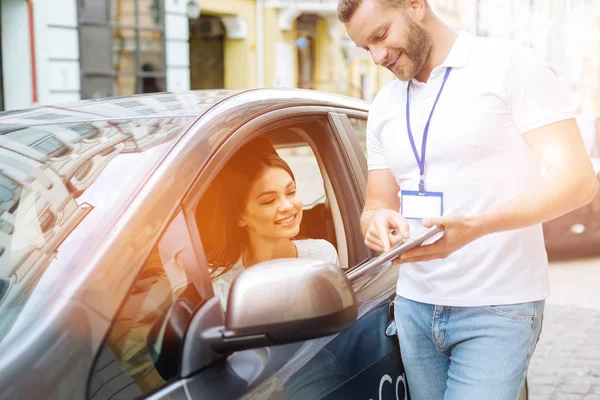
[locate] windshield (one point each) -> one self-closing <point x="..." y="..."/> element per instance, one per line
<point x="61" y="185"/>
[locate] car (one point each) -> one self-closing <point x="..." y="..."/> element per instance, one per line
<point x="105" y="291"/>
<point x="577" y="233"/>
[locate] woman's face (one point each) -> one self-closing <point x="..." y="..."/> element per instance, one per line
<point x="273" y="209"/>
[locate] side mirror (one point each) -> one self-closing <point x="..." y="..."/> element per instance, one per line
<point x="284" y="301"/>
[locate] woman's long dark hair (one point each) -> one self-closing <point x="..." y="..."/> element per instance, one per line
<point x="220" y="209"/>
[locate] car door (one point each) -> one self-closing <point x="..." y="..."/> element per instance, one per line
<point x="270" y="372"/>
<point x="350" y="127"/>
<point x="152" y="349"/>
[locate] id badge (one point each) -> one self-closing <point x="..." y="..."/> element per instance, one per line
<point x="415" y="205"/>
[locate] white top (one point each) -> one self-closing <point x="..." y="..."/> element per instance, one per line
<point x="309" y="248"/>
<point x="497" y="90"/>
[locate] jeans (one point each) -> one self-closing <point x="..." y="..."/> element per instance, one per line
<point x="466" y="352"/>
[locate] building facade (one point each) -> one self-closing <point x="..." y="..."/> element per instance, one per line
<point x="40" y="57"/>
<point x="56" y="51"/>
<point x="565" y="33"/>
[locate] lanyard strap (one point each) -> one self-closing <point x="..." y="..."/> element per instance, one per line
<point x="421" y="159"/>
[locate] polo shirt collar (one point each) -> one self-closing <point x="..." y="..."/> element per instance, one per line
<point x="459" y="54"/>
<point x="457" y="58"/>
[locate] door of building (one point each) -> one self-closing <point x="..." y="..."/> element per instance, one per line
<point x="306" y="28"/>
<point x="207" y="53"/>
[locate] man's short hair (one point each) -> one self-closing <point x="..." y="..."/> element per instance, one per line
<point x="347" y="8"/>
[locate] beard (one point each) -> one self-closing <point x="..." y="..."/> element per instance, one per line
<point x="417" y="52"/>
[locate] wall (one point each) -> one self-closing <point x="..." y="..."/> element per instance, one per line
<point x="16" y="60"/>
<point x="177" y="47"/>
<point x="281" y="56"/>
<point x="57" y="51"/>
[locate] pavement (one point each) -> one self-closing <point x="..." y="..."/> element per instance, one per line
<point x="566" y="363"/>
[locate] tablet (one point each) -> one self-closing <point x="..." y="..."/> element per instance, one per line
<point x="375" y="264"/>
<point x="403" y="247"/>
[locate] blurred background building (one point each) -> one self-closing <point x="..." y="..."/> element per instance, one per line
<point x="565" y="33"/>
<point x="64" y="50"/>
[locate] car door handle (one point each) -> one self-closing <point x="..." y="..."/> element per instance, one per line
<point x="391" y="330"/>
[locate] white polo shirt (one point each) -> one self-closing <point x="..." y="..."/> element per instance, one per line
<point x="497" y="91"/>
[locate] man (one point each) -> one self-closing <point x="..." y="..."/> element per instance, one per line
<point x="475" y="136"/>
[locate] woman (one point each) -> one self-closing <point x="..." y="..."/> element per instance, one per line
<point x="256" y="213"/>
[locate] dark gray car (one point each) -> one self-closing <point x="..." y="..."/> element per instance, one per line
<point x="105" y="291"/>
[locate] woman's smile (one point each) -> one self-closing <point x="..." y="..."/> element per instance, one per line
<point x="290" y="220"/>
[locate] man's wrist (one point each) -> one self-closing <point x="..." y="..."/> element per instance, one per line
<point x="483" y="224"/>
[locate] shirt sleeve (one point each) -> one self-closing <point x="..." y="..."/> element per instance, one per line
<point x="536" y="97"/>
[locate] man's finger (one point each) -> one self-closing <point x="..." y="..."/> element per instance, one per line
<point x="396" y="237"/>
<point x="402" y="225"/>
<point x="373" y="243"/>
<point x="383" y="233"/>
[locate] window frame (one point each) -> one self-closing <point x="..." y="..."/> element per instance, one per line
<point x="339" y="181"/>
<point x="349" y="237"/>
<point x="356" y="134"/>
<point x="341" y="123"/>
<point x="109" y="24"/>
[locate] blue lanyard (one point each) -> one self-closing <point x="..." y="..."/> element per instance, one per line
<point x="421" y="159"/>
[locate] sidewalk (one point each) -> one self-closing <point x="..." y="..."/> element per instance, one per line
<point x="566" y="364"/>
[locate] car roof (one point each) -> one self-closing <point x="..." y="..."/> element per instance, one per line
<point x="47" y="132"/>
<point x="144" y="105"/>
<point x="160" y="105"/>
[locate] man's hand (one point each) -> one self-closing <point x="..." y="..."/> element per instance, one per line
<point x="385" y="229"/>
<point x="458" y="231"/>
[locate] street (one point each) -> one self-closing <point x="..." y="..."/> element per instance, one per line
<point x="566" y="363"/>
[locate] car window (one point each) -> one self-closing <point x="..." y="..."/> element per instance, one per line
<point x="309" y="180"/>
<point x="142" y="350"/>
<point x="316" y="226"/>
<point x="359" y="126"/>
